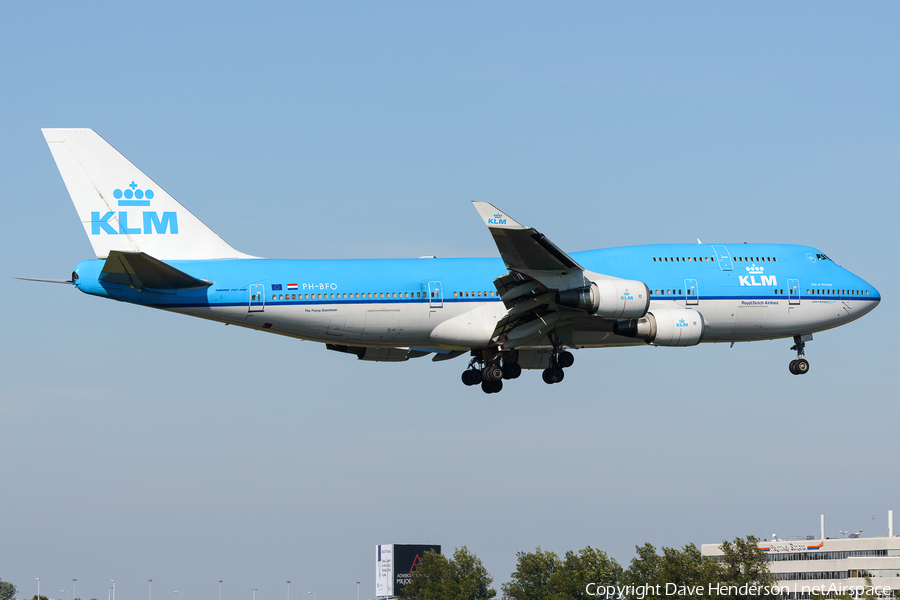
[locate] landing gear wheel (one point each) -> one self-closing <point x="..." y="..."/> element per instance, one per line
<point x="491" y="387"/>
<point x="565" y="359"/>
<point x="511" y="370"/>
<point x="492" y="373"/>
<point x="553" y="375"/>
<point x="471" y="377"/>
<point x="800" y="366"/>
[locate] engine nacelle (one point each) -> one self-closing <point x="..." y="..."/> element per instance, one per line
<point x="665" y="327"/>
<point x="609" y="298"/>
<point x="378" y="354"/>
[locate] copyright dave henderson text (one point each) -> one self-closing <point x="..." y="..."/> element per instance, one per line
<point x="639" y="592"/>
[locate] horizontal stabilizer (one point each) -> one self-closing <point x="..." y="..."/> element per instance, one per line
<point x="523" y="248"/>
<point x="143" y="271"/>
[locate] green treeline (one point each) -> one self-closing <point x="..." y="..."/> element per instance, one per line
<point x="742" y="572"/>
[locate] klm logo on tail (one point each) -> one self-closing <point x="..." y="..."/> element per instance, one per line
<point x="751" y="279"/>
<point x="497" y="220"/>
<point x="152" y="222"/>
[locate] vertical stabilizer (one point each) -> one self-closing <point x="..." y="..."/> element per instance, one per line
<point x="123" y="209"/>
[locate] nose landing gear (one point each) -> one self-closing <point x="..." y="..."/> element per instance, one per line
<point x="800" y="366"/>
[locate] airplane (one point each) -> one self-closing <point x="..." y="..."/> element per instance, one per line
<point x="527" y="309"/>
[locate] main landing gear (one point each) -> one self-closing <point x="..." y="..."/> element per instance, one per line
<point x="800" y="366"/>
<point x="558" y="361"/>
<point x="490" y="368"/>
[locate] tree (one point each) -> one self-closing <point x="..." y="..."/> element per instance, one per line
<point x="462" y="577"/>
<point x="744" y="563"/>
<point x="543" y="575"/>
<point x="687" y="572"/>
<point x="7" y="590"/>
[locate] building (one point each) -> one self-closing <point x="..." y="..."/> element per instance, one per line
<point x="832" y="565"/>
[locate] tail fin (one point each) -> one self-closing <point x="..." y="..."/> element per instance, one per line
<point x="122" y="209"/>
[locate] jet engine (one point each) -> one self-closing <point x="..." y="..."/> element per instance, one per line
<point x="665" y="327"/>
<point x="609" y="298"/>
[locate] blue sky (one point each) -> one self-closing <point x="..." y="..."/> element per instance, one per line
<point x="141" y="445"/>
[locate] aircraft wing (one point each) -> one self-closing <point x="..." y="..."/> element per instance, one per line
<point x="523" y="248"/>
<point x="546" y="290"/>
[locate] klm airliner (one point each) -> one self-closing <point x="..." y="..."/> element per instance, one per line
<point x="527" y="309"/>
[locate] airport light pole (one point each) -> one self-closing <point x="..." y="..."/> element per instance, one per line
<point x="182" y="594"/>
<point x="109" y="592"/>
<point x="38" y="579"/>
<point x="357" y="590"/>
<point x="73" y="590"/>
<point x="289" y="590"/>
<point x="150" y="589"/>
<point x="220" y="589"/>
<point x="314" y="595"/>
<point x="254" y="592"/>
<point x="114" y="588"/>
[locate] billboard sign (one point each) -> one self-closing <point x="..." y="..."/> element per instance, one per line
<point x="395" y="565"/>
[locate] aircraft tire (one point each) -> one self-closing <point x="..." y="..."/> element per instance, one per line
<point x="511" y="370"/>
<point x="566" y="359"/>
<point x="491" y="387"/>
<point x="793" y="367"/>
<point x="545" y="375"/>
<point x="556" y="374"/>
<point x="802" y="367"/>
<point x="492" y="373"/>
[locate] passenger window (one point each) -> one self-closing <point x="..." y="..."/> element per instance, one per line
<point x="273" y="296"/>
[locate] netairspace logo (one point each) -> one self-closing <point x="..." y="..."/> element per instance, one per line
<point x="151" y="221"/>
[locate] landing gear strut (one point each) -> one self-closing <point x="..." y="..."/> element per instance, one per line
<point x="800" y="366"/>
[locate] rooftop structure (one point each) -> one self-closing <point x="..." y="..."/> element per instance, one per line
<point x="832" y="566"/>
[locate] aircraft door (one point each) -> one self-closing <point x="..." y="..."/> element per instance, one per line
<point x="257" y="298"/>
<point x="724" y="258"/>
<point x="435" y="294"/>
<point x="793" y="291"/>
<point x="691" y="292"/>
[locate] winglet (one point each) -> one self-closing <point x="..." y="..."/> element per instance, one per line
<point x="496" y="218"/>
<point x="523" y="248"/>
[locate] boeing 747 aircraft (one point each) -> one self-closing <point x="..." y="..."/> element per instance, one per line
<point x="526" y="309"/>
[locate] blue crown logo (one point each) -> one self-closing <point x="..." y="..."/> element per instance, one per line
<point x="498" y="215"/>
<point x="681" y="323"/>
<point x="140" y="197"/>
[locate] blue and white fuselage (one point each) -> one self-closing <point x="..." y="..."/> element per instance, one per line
<point x="790" y="290"/>
<point x="524" y="309"/>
